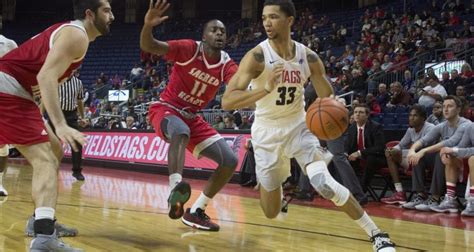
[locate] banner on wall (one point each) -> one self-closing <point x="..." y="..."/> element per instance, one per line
<point x="147" y="148"/>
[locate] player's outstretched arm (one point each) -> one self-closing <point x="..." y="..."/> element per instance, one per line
<point x="318" y="75"/>
<point x="70" y="44"/>
<point x="154" y="17"/>
<point x="252" y="65"/>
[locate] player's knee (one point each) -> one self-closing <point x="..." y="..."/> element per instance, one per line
<point x="230" y="162"/>
<point x="327" y="187"/>
<point x="470" y="161"/>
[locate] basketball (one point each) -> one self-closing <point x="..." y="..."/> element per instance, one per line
<point x="327" y="118"/>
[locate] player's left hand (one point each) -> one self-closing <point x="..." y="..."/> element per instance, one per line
<point x="415" y="158"/>
<point x="446" y="150"/>
<point x="154" y="15"/>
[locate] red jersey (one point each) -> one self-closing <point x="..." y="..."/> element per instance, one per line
<point x="25" y="62"/>
<point x="194" y="81"/>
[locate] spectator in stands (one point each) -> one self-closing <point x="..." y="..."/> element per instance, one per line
<point x="466" y="31"/>
<point x="359" y="84"/>
<point x="453" y="19"/>
<point x="448" y="83"/>
<point x="229" y="122"/>
<point x="433" y="92"/>
<point x="399" y="96"/>
<point x="218" y="122"/>
<point x="430" y="144"/>
<point x="408" y="82"/>
<point x="387" y="63"/>
<point x="396" y="156"/>
<point x="130" y="123"/>
<point x="245" y="123"/>
<point x="466" y="71"/>
<point x="461" y="93"/>
<point x="365" y="145"/>
<point x="436" y="116"/>
<point x="383" y="97"/>
<point x="453" y="159"/>
<point x="116" y="82"/>
<point x="374" y="106"/>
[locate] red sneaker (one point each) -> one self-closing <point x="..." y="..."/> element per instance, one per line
<point x="396" y="198"/>
<point x="199" y="220"/>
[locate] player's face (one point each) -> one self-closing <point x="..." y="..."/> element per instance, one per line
<point x="450" y="110"/>
<point x="103" y="18"/>
<point x="275" y="21"/>
<point x="414" y="120"/>
<point x="215" y="35"/>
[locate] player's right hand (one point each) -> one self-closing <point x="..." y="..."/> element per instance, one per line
<point x="154" y="15"/>
<point x="70" y="136"/>
<point x="275" y="77"/>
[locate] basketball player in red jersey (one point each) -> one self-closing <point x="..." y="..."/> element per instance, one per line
<point x="30" y="75"/>
<point x="198" y="71"/>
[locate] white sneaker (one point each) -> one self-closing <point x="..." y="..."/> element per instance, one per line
<point x="3" y="191"/>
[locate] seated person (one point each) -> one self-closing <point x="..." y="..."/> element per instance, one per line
<point x="442" y="135"/>
<point x="365" y="144"/>
<point x="453" y="159"/>
<point x="436" y="116"/>
<point x="396" y="156"/>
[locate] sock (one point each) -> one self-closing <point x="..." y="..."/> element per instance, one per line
<point x="201" y="202"/>
<point x="175" y="178"/>
<point x="366" y="223"/>
<point x="471" y="191"/>
<point x="451" y="189"/>
<point x="1" y="178"/>
<point x="44" y="220"/>
<point x="398" y="187"/>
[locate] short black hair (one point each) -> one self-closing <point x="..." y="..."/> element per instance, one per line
<point x="80" y="7"/>
<point x="455" y="99"/>
<point x="419" y="110"/>
<point x="208" y="22"/>
<point x="286" y="6"/>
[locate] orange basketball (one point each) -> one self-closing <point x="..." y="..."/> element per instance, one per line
<point x="327" y="118"/>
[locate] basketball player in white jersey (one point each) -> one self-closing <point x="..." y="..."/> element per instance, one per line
<point x="6" y="45"/>
<point x="277" y="68"/>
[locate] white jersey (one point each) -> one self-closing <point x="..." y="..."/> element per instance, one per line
<point x="286" y="102"/>
<point x="6" y="45"/>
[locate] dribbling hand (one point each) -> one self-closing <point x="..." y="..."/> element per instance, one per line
<point x="71" y="136"/>
<point x="275" y="77"/>
<point x="154" y="14"/>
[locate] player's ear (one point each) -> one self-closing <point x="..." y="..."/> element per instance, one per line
<point x="291" y="20"/>
<point x="90" y="13"/>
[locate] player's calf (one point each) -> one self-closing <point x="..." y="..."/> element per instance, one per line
<point x="325" y="184"/>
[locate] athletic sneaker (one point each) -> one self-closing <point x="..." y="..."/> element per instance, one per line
<point x="52" y="242"/>
<point x="448" y="205"/>
<point x="178" y="197"/>
<point x="469" y="211"/>
<point x="382" y="243"/>
<point x="3" y="191"/>
<point x="61" y="230"/>
<point x="199" y="220"/>
<point x="417" y="199"/>
<point x="396" y="198"/>
<point x="427" y="204"/>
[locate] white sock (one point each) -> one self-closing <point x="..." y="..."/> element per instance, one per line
<point x="44" y="213"/>
<point x="398" y="187"/>
<point x="366" y="223"/>
<point x="1" y="178"/>
<point x="175" y="178"/>
<point x="201" y="202"/>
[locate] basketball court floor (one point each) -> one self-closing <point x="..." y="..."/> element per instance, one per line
<point x="127" y="211"/>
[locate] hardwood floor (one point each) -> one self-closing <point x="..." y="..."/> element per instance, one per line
<point x="127" y="211"/>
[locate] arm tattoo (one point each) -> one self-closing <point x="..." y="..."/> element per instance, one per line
<point x="312" y="57"/>
<point x="258" y="56"/>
